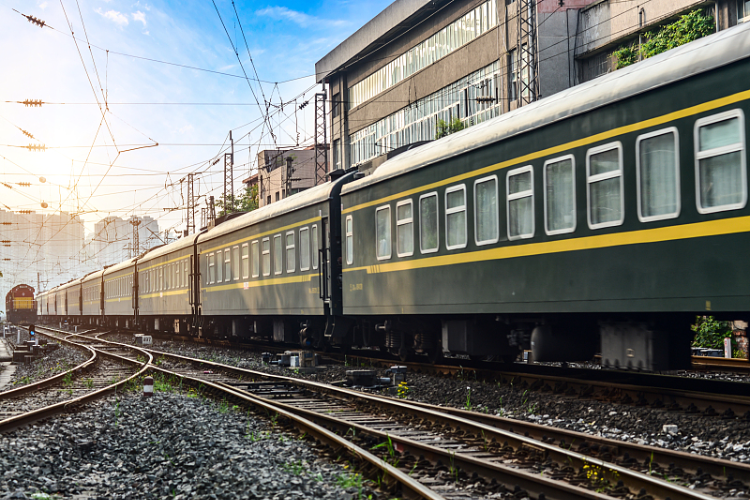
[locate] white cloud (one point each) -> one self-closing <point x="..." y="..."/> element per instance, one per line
<point x="116" y="17"/>
<point x="43" y="5"/>
<point x="139" y="16"/>
<point x="300" y="18"/>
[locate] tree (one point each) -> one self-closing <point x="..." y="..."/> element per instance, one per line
<point x="444" y="128"/>
<point x="245" y="202"/>
<point x="710" y="333"/>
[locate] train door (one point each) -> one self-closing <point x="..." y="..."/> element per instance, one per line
<point x="324" y="252"/>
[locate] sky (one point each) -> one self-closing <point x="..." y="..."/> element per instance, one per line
<point x="97" y="162"/>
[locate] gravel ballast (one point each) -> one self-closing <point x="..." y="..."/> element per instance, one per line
<point x="168" y="446"/>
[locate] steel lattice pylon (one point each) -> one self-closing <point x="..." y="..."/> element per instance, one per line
<point x="321" y="140"/>
<point x="190" y="205"/>
<point x="528" y="81"/>
<point x="136" y="222"/>
<point x="228" y="183"/>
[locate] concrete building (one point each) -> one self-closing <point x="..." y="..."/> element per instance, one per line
<point x="275" y="179"/>
<point x="422" y="61"/>
<point x="112" y="241"/>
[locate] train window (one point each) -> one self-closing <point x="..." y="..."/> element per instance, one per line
<point x="349" y="240"/>
<point x="266" y="257"/>
<point x="236" y="263"/>
<point x="720" y="162"/>
<point x="278" y="254"/>
<point x="428" y="223"/>
<point x="383" y="232"/>
<point x="404" y="228"/>
<point x="219" y="266"/>
<point x="245" y="261"/>
<point x="256" y="259"/>
<point x="604" y="180"/>
<point x="315" y="246"/>
<point x="559" y="195"/>
<point x="520" y="199"/>
<point x="486" y="214"/>
<point x="658" y="174"/>
<point x="161" y="278"/>
<point x="304" y="249"/>
<point x="455" y="217"/>
<point x="291" y="264"/>
<point x="185" y="274"/>
<point x="211" y="269"/>
<point x="227" y="265"/>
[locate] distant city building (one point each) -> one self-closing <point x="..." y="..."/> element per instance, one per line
<point x="44" y="250"/>
<point x="275" y="179"/>
<point x="113" y="239"/>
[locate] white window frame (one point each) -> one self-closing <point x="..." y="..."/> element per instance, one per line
<point x="208" y="269"/>
<point x="237" y="263"/>
<point x="437" y="223"/>
<point x="476" y="211"/>
<point x="227" y="260"/>
<point x="245" y="261"/>
<point x="517" y="196"/>
<point x="264" y="252"/>
<point x="720" y="117"/>
<point x="314" y="238"/>
<point x="462" y="208"/>
<point x="657" y="133"/>
<point x="255" y="249"/>
<point x="575" y="198"/>
<point x="350" y="236"/>
<point x="304" y="230"/>
<point x="601" y="177"/>
<point x="291" y="247"/>
<point x="275" y="249"/>
<point x="178" y="272"/>
<point x="390" y="235"/>
<point x="402" y="222"/>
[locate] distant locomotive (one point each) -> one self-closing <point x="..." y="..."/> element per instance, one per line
<point x="20" y="306"/>
<point x="601" y="218"/>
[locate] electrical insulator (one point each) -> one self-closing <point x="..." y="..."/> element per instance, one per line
<point x="6" y="258"/>
<point x="24" y="211"/>
<point x="36" y="147"/>
<point x="5" y="241"/>
<point x="27" y="134"/>
<point x="34" y="20"/>
<point x="302" y="106"/>
<point x="6" y="223"/>
<point x="6" y="185"/>
<point x="24" y="184"/>
<point x="32" y="102"/>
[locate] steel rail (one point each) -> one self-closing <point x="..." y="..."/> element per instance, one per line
<point x="66" y="406"/>
<point x="632" y="479"/>
<point x="56" y="379"/>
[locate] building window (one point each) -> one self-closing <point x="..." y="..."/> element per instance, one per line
<point x="520" y="199"/>
<point x="486" y="214"/>
<point x="256" y="259"/>
<point x="335" y="105"/>
<point x="383" y="232"/>
<point x="428" y="223"/>
<point x="720" y="162"/>
<point x="315" y="246"/>
<point x="291" y="264"/>
<point x="266" y="257"/>
<point x="337" y="154"/>
<point x="277" y="196"/>
<point x="404" y="229"/>
<point x="658" y="174"/>
<point x="278" y="255"/>
<point x="349" y="240"/>
<point x="604" y="180"/>
<point x="743" y="11"/>
<point x="455" y="217"/>
<point x="513" y="75"/>
<point x="559" y="195"/>
<point x="304" y="249"/>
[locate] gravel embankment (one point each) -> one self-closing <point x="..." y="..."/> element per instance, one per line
<point x="712" y="436"/>
<point x="168" y="446"/>
<point x="55" y="361"/>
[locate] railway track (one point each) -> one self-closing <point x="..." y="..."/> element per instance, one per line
<point x="461" y="454"/>
<point x="107" y="370"/>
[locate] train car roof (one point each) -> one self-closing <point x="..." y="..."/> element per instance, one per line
<point x="300" y="200"/>
<point x="162" y="250"/>
<point x="71" y="283"/>
<point x="706" y="54"/>
<point x="93" y="276"/>
<point x="119" y="267"/>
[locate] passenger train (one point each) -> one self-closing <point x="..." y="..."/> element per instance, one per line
<point x="20" y="308"/>
<point x="599" y="219"/>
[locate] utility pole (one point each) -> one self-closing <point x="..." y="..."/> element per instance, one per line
<point x="528" y="84"/>
<point x="229" y="179"/>
<point x="211" y="212"/>
<point x="191" y="205"/>
<point x="321" y="141"/>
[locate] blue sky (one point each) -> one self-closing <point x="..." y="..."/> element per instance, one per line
<point x="285" y="40"/>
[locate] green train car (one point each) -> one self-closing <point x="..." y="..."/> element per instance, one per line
<point x="601" y="218"/>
